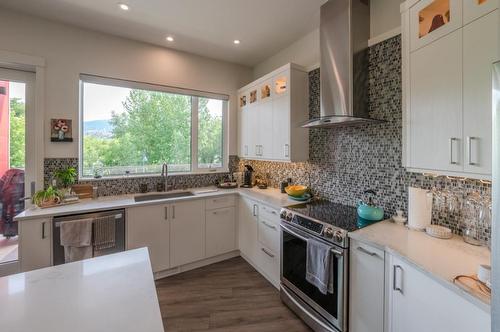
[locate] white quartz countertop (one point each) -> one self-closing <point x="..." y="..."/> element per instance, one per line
<point x="270" y="196"/>
<point x="440" y="259"/>
<point x="108" y="293"/>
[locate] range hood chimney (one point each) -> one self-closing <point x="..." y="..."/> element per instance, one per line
<point x="344" y="34"/>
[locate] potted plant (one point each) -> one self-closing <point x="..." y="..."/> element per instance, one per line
<point x="66" y="178"/>
<point x="48" y="197"/>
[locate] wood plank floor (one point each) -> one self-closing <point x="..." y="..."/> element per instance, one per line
<point x="226" y="296"/>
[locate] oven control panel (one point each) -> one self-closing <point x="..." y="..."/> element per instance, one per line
<point x="327" y="232"/>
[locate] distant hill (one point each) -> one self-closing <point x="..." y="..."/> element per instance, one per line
<point x="100" y="128"/>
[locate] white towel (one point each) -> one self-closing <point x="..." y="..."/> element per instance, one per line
<point x="318" y="265"/>
<point x="76" y="237"/>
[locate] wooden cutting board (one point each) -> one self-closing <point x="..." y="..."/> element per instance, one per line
<point x="82" y="190"/>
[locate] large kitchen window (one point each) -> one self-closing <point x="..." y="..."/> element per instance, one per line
<point x="131" y="128"/>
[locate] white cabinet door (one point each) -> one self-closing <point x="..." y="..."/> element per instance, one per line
<point x="281" y="128"/>
<point x="436" y="105"/>
<point x="35" y="242"/>
<point x="149" y="226"/>
<point x="244" y="133"/>
<point x="252" y="118"/>
<point x="220" y="231"/>
<point x="474" y="9"/>
<point x="187" y="232"/>
<point x="247" y="227"/>
<point x="433" y="19"/>
<point x="419" y="303"/>
<point x="366" y="283"/>
<point x="264" y="132"/>
<point x="480" y="50"/>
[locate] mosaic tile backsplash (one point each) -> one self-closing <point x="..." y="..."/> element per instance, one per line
<point x="131" y="185"/>
<point x="345" y="161"/>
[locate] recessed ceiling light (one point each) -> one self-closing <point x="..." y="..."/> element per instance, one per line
<point x="170" y="38"/>
<point x="123" y="6"/>
<point x="236" y="41"/>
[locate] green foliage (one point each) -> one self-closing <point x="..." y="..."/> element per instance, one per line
<point x="155" y="128"/>
<point x="66" y="177"/>
<point x="47" y="195"/>
<point x="17" y="133"/>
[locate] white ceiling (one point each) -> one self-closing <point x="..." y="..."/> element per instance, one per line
<point x="204" y="27"/>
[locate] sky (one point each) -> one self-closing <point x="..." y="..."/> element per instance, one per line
<point x="17" y="90"/>
<point x="99" y="100"/>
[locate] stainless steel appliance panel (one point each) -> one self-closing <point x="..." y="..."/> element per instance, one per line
<point x="58" y="250"/>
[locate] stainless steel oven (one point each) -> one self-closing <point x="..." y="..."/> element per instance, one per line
<point x="321" y="312"/>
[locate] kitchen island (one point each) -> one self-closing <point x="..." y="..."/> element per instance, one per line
<point x="107" y="293"/>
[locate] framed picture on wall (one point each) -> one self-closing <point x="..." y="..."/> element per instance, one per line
<point x="61" y="130"/>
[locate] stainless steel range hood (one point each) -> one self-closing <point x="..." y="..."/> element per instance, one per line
<point x="344" y="34"/>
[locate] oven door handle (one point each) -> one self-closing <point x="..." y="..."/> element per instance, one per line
<point x="303" y="238"/>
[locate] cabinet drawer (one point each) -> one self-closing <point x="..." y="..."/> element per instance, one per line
<point x="268" y="230"/>
<point x="220" y="202"/>
<point x="269" y="263"/>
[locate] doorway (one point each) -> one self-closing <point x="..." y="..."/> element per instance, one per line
<point x="17" y="169"/>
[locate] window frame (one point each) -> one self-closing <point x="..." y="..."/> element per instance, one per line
<point x="193" y="94"/>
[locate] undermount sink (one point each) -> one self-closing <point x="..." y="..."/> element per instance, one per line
<point x="156" y="196"/>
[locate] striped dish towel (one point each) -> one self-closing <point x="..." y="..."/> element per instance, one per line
<point x="104" y="233"/>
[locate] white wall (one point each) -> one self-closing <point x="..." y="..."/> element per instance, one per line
<point x="69" y="51"/>
<point x="384" y="16"/>
<point x="304" y="52"/>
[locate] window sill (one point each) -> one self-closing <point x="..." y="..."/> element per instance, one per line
<point x="152" y="175"/>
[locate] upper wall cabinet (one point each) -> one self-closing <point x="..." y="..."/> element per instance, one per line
<point x="474" y="9"/>
<point x="448" y="50"/>
<point x="433" y="19"/>
<point x="271" y="110"/>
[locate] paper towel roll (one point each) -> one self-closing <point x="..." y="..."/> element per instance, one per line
<point x="419" y="208"/>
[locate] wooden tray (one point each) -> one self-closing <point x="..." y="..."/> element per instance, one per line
<point x="60" y="204"/>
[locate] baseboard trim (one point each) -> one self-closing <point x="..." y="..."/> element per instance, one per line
<point x="195" y="265"/>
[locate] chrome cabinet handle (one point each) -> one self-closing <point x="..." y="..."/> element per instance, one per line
<point x="267" y="252"/>
<point x="453" y="139"/>
<point x="394" y="278"/>
<point x="173" y="211"/>
<point x="166" y="212"/>
<point x="270" y="226"/>
<point x="469" y="152"/>
<point x="287" y="150"/>
<point x="363" y="250"/>
<point x="43" y="230"/>
<point x="254" y="210"/>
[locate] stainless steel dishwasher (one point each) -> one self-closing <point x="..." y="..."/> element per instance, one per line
<point x="58" y="249"/>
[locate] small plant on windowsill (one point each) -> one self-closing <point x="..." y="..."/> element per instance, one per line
<point x="66" y="178"/>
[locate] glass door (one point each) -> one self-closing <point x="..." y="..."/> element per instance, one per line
<point x="16" y="159"/>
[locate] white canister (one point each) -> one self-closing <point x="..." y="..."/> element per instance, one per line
<point x="419" y="208"/>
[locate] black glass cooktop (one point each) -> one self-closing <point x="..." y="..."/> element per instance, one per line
<point x="342" y="216"/>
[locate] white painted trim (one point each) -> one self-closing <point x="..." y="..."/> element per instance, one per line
<point x="19" y="61"/>
<point x="386" y="35"/>
<point x="312" y="67"/>
<point x="407" y="5"/>
<point x="195" y="265"/>
<point x="270" y="75"/>
<point x="449" y="173"/>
